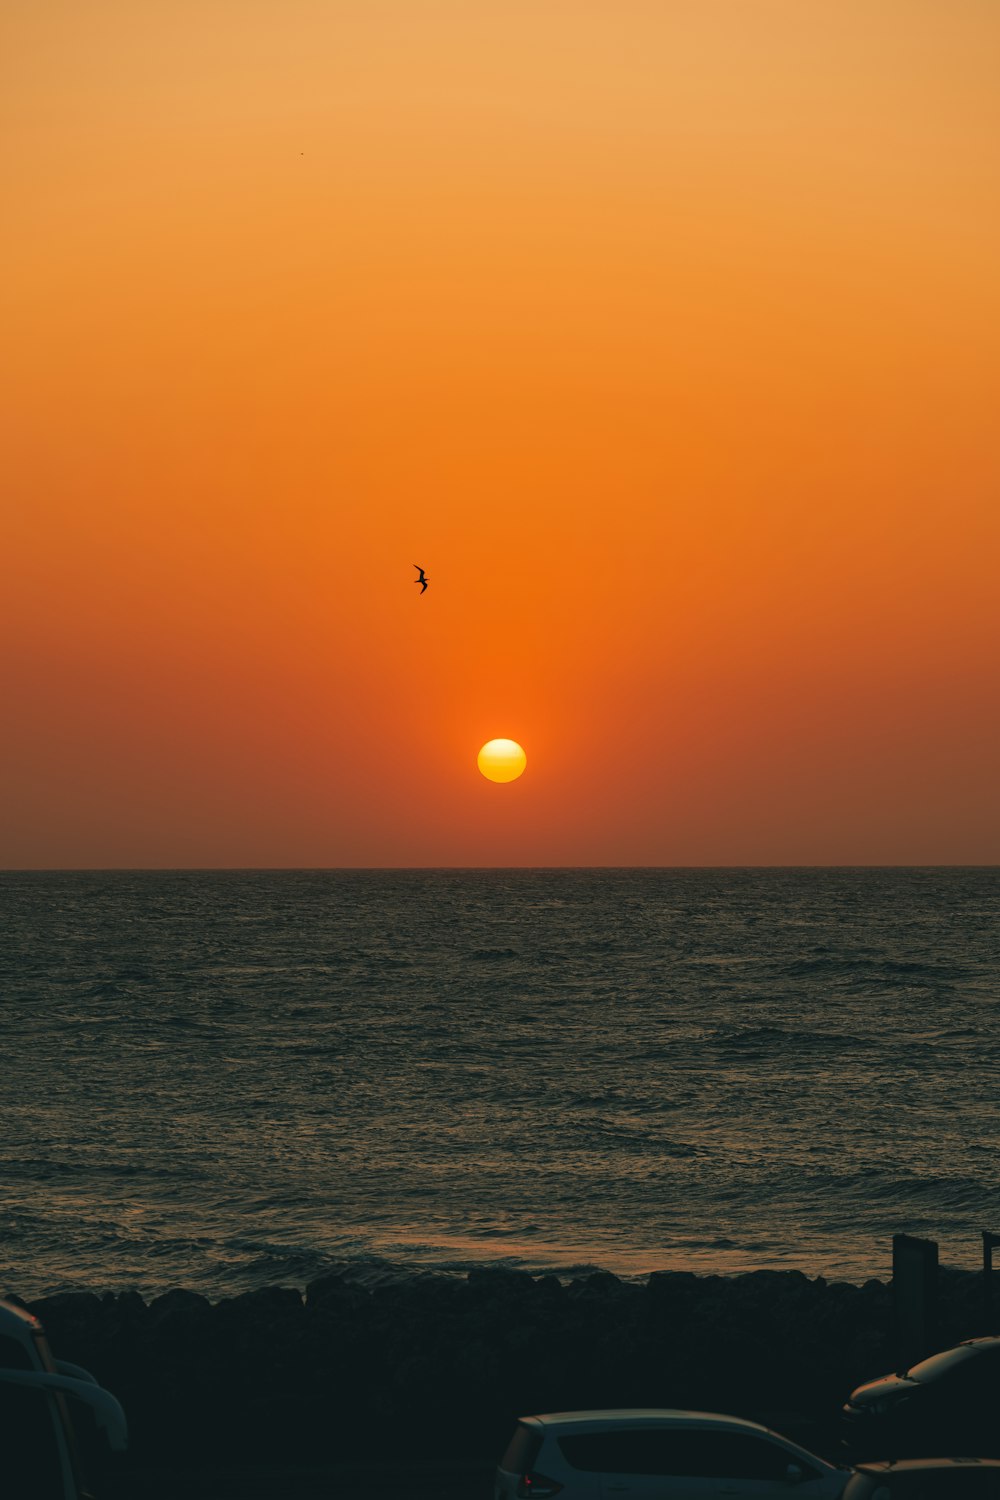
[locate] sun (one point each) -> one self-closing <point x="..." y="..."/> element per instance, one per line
<point x="502" y="760"/>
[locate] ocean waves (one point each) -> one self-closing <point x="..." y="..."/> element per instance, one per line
<point x="231" y="1080"/>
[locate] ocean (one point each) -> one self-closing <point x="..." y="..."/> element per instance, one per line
<point x="223" y="1080"/>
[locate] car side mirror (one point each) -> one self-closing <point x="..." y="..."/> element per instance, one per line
<point x="793" y="1474"/>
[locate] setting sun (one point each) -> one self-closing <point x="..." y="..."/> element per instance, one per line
<point x="502" y="760"/>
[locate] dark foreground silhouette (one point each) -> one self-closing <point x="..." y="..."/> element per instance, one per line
<point x="415" y="1386"/>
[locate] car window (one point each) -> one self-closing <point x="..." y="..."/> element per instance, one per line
<point x="690" y="1452"/>
<point x="13" y="1354"/>
<point x="30" y="1455"/>
<point x="637" y="1450"/>
<point x="602" y="1452"/>
<point x="739" y="1455"/>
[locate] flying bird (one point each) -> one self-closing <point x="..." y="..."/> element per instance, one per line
<point x="422" y="580"/>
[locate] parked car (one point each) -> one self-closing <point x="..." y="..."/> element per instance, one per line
<point x="949" y="1403"/>
<point x="657" y="1455"/>
<point x="926" y="1479"/>
<point x="39" y="1400"/>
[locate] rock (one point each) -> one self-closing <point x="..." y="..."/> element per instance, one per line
<point x="70" y="1319"/>
<point x="180" y="1309"/>
<point x="599" y="1284"/>
<point x="269" y="1372"/>
<point x="263" y="1305"/>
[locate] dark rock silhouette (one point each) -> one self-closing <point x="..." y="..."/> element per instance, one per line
<point x="255" y="1378"/>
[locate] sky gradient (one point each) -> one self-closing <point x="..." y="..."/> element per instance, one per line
<point x="663" y="335"/>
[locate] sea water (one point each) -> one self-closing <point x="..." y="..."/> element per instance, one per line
<point x="225" y="1080"/>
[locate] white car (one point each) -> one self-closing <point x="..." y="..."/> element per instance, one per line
<point x="658" y="1454"/>
<point x="39" y="1456"/>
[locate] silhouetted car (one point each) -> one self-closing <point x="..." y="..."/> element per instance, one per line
<point x="949" y="1403"/>
<point x="657" y="1454"/>
<point x="926" y="1479"/>
<point x="39" y="1396"/>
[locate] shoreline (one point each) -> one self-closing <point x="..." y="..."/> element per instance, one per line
<point x="371" y="1271"/>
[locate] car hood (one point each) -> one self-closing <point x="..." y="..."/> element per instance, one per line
<point x="879" y="1390"/>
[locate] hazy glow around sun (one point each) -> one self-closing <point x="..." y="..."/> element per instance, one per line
<point x="502" y="760"/>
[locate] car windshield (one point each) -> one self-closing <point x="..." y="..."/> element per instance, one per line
<point x="941" y="1364"/>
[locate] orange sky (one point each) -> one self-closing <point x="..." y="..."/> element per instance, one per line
<point x="663" y="333"/>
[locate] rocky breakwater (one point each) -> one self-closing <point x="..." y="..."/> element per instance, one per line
<point x="438" y="1368"/>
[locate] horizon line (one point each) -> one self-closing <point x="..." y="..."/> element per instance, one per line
<point x="458" y="869"/>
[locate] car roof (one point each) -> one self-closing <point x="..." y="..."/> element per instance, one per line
<point x="988" y="1344"/>
<point x="919" y="1465"/>
<point x="608" y="1418"/>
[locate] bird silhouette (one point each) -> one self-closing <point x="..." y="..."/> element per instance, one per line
<point x="422" y="580"/>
